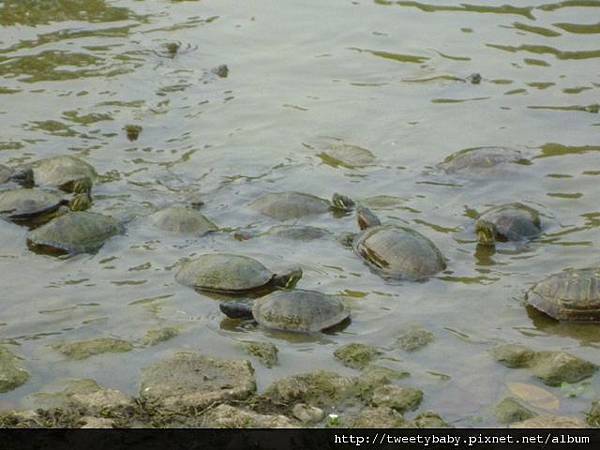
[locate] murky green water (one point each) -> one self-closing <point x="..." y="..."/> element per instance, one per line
<point x="384" y="75"/>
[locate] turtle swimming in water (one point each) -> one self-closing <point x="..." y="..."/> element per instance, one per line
<point x="182" y="220"/>
<point x="294" y="205"/>
<point x="288" y="232"/>
<point x="229" y="274"/>
<point x="393" y="251"/>
<point x="509" y="222"/>
<point x="34" y="207"/>
<point x="571" y="295"/>
<point x="294" y="310"/>
<point x="73" y="233"/>
<point x="24" y="177"/>
<point x="67" y="173"/>
<point x="481" y="161"/>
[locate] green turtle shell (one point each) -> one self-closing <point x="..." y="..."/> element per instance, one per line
<point x="514" y="221"/>
<point x="290" y="205"/>
<point x="23" y="205"/>
<point x="572" y="295"/>
<point x="182" y="220"/>
<point x="480" y="160"/>
<point x="299" y="311"/>
<point x="399" y="252"/>
<point x="74" y="232"/>
<point x="60" y="171"/>
<point x="224" y="273"/>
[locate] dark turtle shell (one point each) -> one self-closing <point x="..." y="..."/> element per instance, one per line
<point x="399" y="252"/>
<point x="481" y="160"/>
<point x="290" y="205"/>
<point x="571" y="295"/>
<point x="29" y="206"/>
<point x="177" y="219"/>
<point x="513" y="221"/>
<point x="62" y="172"/>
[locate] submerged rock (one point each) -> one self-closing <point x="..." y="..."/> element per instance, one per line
<point x="373" y="377"/>
<point x="158" y="335"/>
<point x="226" y="416"/>
<point x="428" y="419"/>
<point x="84" y="393"/>
<point x="550" y="421"/>
<point x="308" y="414"/>
<point x="12" y="374"/>
<point x="396" y="397"/>
<point x="265" y="352"/>
<point x="593" y="415"/>
<point x="190" y="380"/>
<point x="510" y="410"/>
<point x="513" y="355"/>
<point x="414" y="339"/>
<point x="356" y="356"/>
<point x="379" y="417"/>
<point x="85" y="349"/>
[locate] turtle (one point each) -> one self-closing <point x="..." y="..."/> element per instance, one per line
<point x="508" y="222"/>
<point x="231" y="274"/>
<point x="67" y="173"/>
<point x="24" y="177"/>
<point x="34" y="207"/>
<point x="182" y="220"/>
<point x="294" y="205"/>
<point x="296" y="310"/>
<point x="74" y="233"/>
<point x="571" y="295"/>
<point x="393" y="251"/>
<point x="289" y="232"/>
<point x="481" y="160"/>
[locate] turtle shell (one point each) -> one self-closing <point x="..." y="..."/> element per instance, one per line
<point x="399" y="252"/>
<point x="22" y="205"/>
<point x="225" y="273"/>
<point x="514" y="221"/>
<point x="74" y="232"/>
<point x="182" y="220"/>
<point x="572" y="295"/>
<point x="480" y="160"/>
<point x="299" y="310"/>
<point x="290" y="205"/>
<point x="60" y="171"/>
<point x="5" y="174"/>
<point x="297" y="232"/>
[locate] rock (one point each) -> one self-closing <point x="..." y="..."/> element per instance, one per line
<point x="428" y="419"/>
<point x="84" y="393"/>
<point x="510" y="410"/>
<point x="265" y="352"/>
<point x="158" y="335"/>
<point x="319" y="388"/>
<point x="551" y="422"/>
<point x="190" y="380"/>
<point x="379" y="417"/>
<point x="593" y="416"/>
<point x="374" y="376"/>
<point x="414" y="339"/>
<point x="97" y="422"/>
<point x="396" y="397"/>
<point x="513" y="355"/>
<point x="226" y="416"/>
<point x="554" y="368"/>
<point x="356" y="356"/>
<point x="12" y="374"/>
<point x="85" y="349"/>
<point x="308" y="414"/>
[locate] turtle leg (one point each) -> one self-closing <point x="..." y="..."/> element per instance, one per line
<point x="23" y="177"/>
<point x="79" y="186"/>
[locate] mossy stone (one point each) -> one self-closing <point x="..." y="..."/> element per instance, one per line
<point x="428" y="419"/>
<point x="399" y="398"/>
<point x="593" y="415"/>
<point x="550" y="421"/>
<point x="226" y="416"/>
<point x="12" y="374"/>
<point x="374" y="376"/>
<point x="84" y="393"/>
<point x="378" y="417"/>
<point x="265" y="352"/>
<point x="85" y="349"/>
<point x="414" y="339"/>
<point x="157" y="335"/>
<point x="554" y="368"/>
<point x="308" y="414"/>
<point x="510" y="410"/>
<point x="513" y="355"/>
<point x="355" y="355"/>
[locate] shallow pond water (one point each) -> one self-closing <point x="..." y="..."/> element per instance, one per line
<point x="387" y="76"/>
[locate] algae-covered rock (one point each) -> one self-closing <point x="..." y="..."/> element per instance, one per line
<point x="190" y="380"/>
<point x="428" y="419"/>
<point x="510" y="410"/>
<point x="158" y="335"/>
<point x="226" y="416"/>
<point x="355" y="355"/>
<point x="550" y="421"/>
<point x="319" y="388"/>
<point x="12" y="374"/>
<point x="373" y="377"/>
<point x="265" y="352"/>
<point x="513" y="355"/>
<point x="593" y="415"/>
<point x="307" y="414"/>
<point x="554" y="368"/>
<point x="85" y="349"/>
<point x="414" y="339"/>
<point x="96" y="422"/>
<point x="379" y="417"/>
<point x="396" y="397"/>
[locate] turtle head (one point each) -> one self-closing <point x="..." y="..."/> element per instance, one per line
<point x="236" y="310"/>
<point x="486" y="233"/>
<point x="24" y="177"/>
<point x="80" y="202"/>
<point x="366" y="218"/>
<point x="342" y="202"/>
<point x="289" y="279"/>
<point x="346" y="239"/>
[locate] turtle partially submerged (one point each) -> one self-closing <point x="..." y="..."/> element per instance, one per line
<point x="289" y="232"/>
<point x="571" y="295"/>
<point x="230" y="274"/>
<point x="24" y="177"/>
<point x="509" y="222"/>
<point x="393" y="251"/>
<point x="34" y="207"/>
<point x="294" y="310"/>
<point x="67" y="173"/>
<point x="181" y="220"/>
<point x="481" y="161"/>
<point x="294" y="205"/>
<point x="73" y="233"/>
